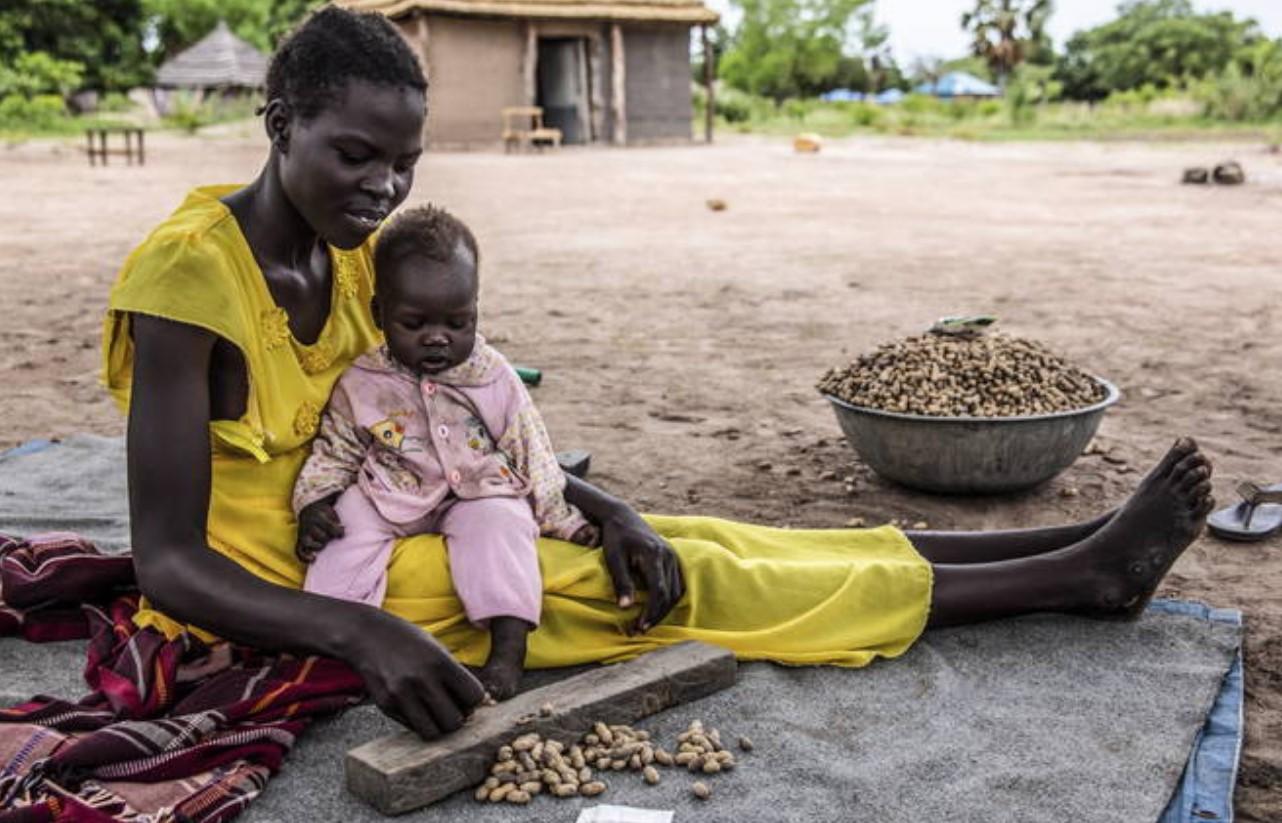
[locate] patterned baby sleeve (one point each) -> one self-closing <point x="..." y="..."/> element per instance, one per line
<point x="528" y="446"/>
<point x="338" y="450"/>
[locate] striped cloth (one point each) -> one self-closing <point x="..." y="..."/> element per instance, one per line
<point x="173" y="730"/>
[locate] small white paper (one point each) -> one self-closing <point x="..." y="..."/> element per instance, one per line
<point x="623" y="814"/>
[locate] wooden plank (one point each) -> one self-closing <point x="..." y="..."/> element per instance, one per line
<point x="530" y="63"/>
<point x="618" y="82"/>
<point x="709" y="77"/>
<point x="402" y="772"/>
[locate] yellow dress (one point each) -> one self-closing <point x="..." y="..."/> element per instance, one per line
<point x="839" y="597"/>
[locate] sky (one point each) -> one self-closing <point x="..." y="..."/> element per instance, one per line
<point x="932" y="28"/>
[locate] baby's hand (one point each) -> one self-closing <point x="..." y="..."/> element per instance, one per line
<point x="318" y="524"/>
<point x="587" y="535"/>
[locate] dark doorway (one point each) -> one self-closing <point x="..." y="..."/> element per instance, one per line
<point x="563" y="86"/>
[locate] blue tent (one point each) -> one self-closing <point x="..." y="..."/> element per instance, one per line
<point x="959" y="84"/>
<point x="841" y="96"/>
<point x="889" y="97"/>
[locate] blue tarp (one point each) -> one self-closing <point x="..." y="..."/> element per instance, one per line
<point x="889" y="97"/>
<point x="842" y="96"/>
<point x="959" y="84"/>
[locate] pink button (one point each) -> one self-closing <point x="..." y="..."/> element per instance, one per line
<point x="443" y="431"/>
<point x="455" y="477"/>
<point x="429" y="389"/>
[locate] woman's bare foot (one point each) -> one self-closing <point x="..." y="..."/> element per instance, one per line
<point x="1133" y="552"/>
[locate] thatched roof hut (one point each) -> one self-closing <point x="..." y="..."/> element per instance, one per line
<point x="602" y="70"/>
<point x="220" y="60"/>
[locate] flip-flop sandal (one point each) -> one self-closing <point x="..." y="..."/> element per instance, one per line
<point x="1257" y="517"/>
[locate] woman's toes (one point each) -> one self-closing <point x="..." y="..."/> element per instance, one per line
<point x="1189" y="464"/>
<point x="1196" y="477"/>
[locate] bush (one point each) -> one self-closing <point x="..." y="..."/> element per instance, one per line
<point x="733" y="106"/>
<point x="43" y="112"/>
<point x="865" y="115"/>
<point x="115" y="102"/>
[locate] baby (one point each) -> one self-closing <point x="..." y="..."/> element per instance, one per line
<point x="433" y="432"/>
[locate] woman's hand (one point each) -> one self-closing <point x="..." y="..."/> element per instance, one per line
<point x="410" y="676"/>
<point x="634" y="551"/>
<point x="318" y="523"/>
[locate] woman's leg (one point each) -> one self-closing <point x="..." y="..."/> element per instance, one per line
<point x="1113" y="570"/>
<point x="992" y="547"/>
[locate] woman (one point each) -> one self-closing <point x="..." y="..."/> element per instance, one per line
<point x="229" y="325"/>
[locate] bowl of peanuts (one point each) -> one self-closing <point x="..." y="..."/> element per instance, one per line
<point x="967" y="413"/>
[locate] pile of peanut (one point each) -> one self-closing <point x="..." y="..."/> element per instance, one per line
<point x="954" y="376"/>
<point x="531" y="765"/>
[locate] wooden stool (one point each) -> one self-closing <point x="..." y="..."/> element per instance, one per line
<point x="101" y="152"/>
<point x="523" y="127"/>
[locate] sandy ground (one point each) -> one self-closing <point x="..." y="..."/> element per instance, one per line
<point x="681" y="345"/>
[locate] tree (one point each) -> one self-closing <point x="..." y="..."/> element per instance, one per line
<point x="1163" y="43"/>
<point x="791" y="48"/>
<point x="103" y="40"/>
<point x="176" y="24"/>
<point x="1008" y="32"/>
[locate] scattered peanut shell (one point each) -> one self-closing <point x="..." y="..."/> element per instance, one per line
<point x="518" y="797"/>
<point x="701" y="790"/>
<point x="545" y="710"/>
<point x="592" y="789"/>
<point x="565" y="790"/>
<point x="745" y="743"/>
<point x="651" y="775"/>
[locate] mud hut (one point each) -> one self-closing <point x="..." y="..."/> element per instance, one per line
<point x="603" y="71"/>
<point x="220" y="60"/>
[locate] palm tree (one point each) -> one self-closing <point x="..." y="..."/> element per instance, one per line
<point x="1004" y="30"/>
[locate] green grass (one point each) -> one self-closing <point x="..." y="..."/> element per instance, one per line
<point x="991" y="120"/>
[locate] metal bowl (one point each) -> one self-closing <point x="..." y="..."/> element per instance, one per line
<point x="970" y="455"/>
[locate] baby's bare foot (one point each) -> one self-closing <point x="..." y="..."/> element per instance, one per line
<point x="1134" y="551"/>
<point x="500" y="677"/>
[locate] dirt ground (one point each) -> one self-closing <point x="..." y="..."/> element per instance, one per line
<point x="681" y="345"/>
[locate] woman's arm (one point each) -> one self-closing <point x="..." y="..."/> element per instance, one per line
<point x="632" y="550"/>
<point x="408" y="674"/>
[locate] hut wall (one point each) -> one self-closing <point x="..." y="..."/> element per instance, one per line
<point x="474" y="69"/>
<point x="657" y="82"/>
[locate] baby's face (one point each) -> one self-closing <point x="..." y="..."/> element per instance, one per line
<point x="428" y="313"/>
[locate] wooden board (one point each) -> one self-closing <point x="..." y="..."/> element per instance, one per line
<point x="401" y="772"/>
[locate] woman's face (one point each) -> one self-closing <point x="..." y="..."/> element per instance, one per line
<point x="352" y="164"/>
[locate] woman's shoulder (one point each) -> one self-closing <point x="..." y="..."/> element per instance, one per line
<point x="198" y="243"/>
<point x="192" y="268"/>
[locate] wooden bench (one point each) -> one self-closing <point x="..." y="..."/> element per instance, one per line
<point x="101" y="151"/>
<point x="523" y="127"/>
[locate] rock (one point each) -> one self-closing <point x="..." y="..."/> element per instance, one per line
<point x="1197" y="175"/>
<point x="807" y="143"/>
<point x="1230" y="173"/>
<point x="716" y="205"/>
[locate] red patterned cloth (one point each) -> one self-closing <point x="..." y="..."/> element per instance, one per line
<point x="174" y="730"/>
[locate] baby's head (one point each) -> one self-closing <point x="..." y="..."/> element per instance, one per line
<point x="426" y="281"/>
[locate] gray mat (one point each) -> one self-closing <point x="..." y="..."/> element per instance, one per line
<point x="1036" y="719"/>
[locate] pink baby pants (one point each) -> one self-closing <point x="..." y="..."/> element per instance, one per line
<point x="494" y="560"/>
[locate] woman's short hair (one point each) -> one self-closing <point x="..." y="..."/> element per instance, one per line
<point x="333" y="47"/>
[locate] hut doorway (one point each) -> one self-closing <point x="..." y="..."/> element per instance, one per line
<point x="562" y="86"/>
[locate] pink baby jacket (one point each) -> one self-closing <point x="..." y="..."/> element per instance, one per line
<point x="412" y="441"/>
